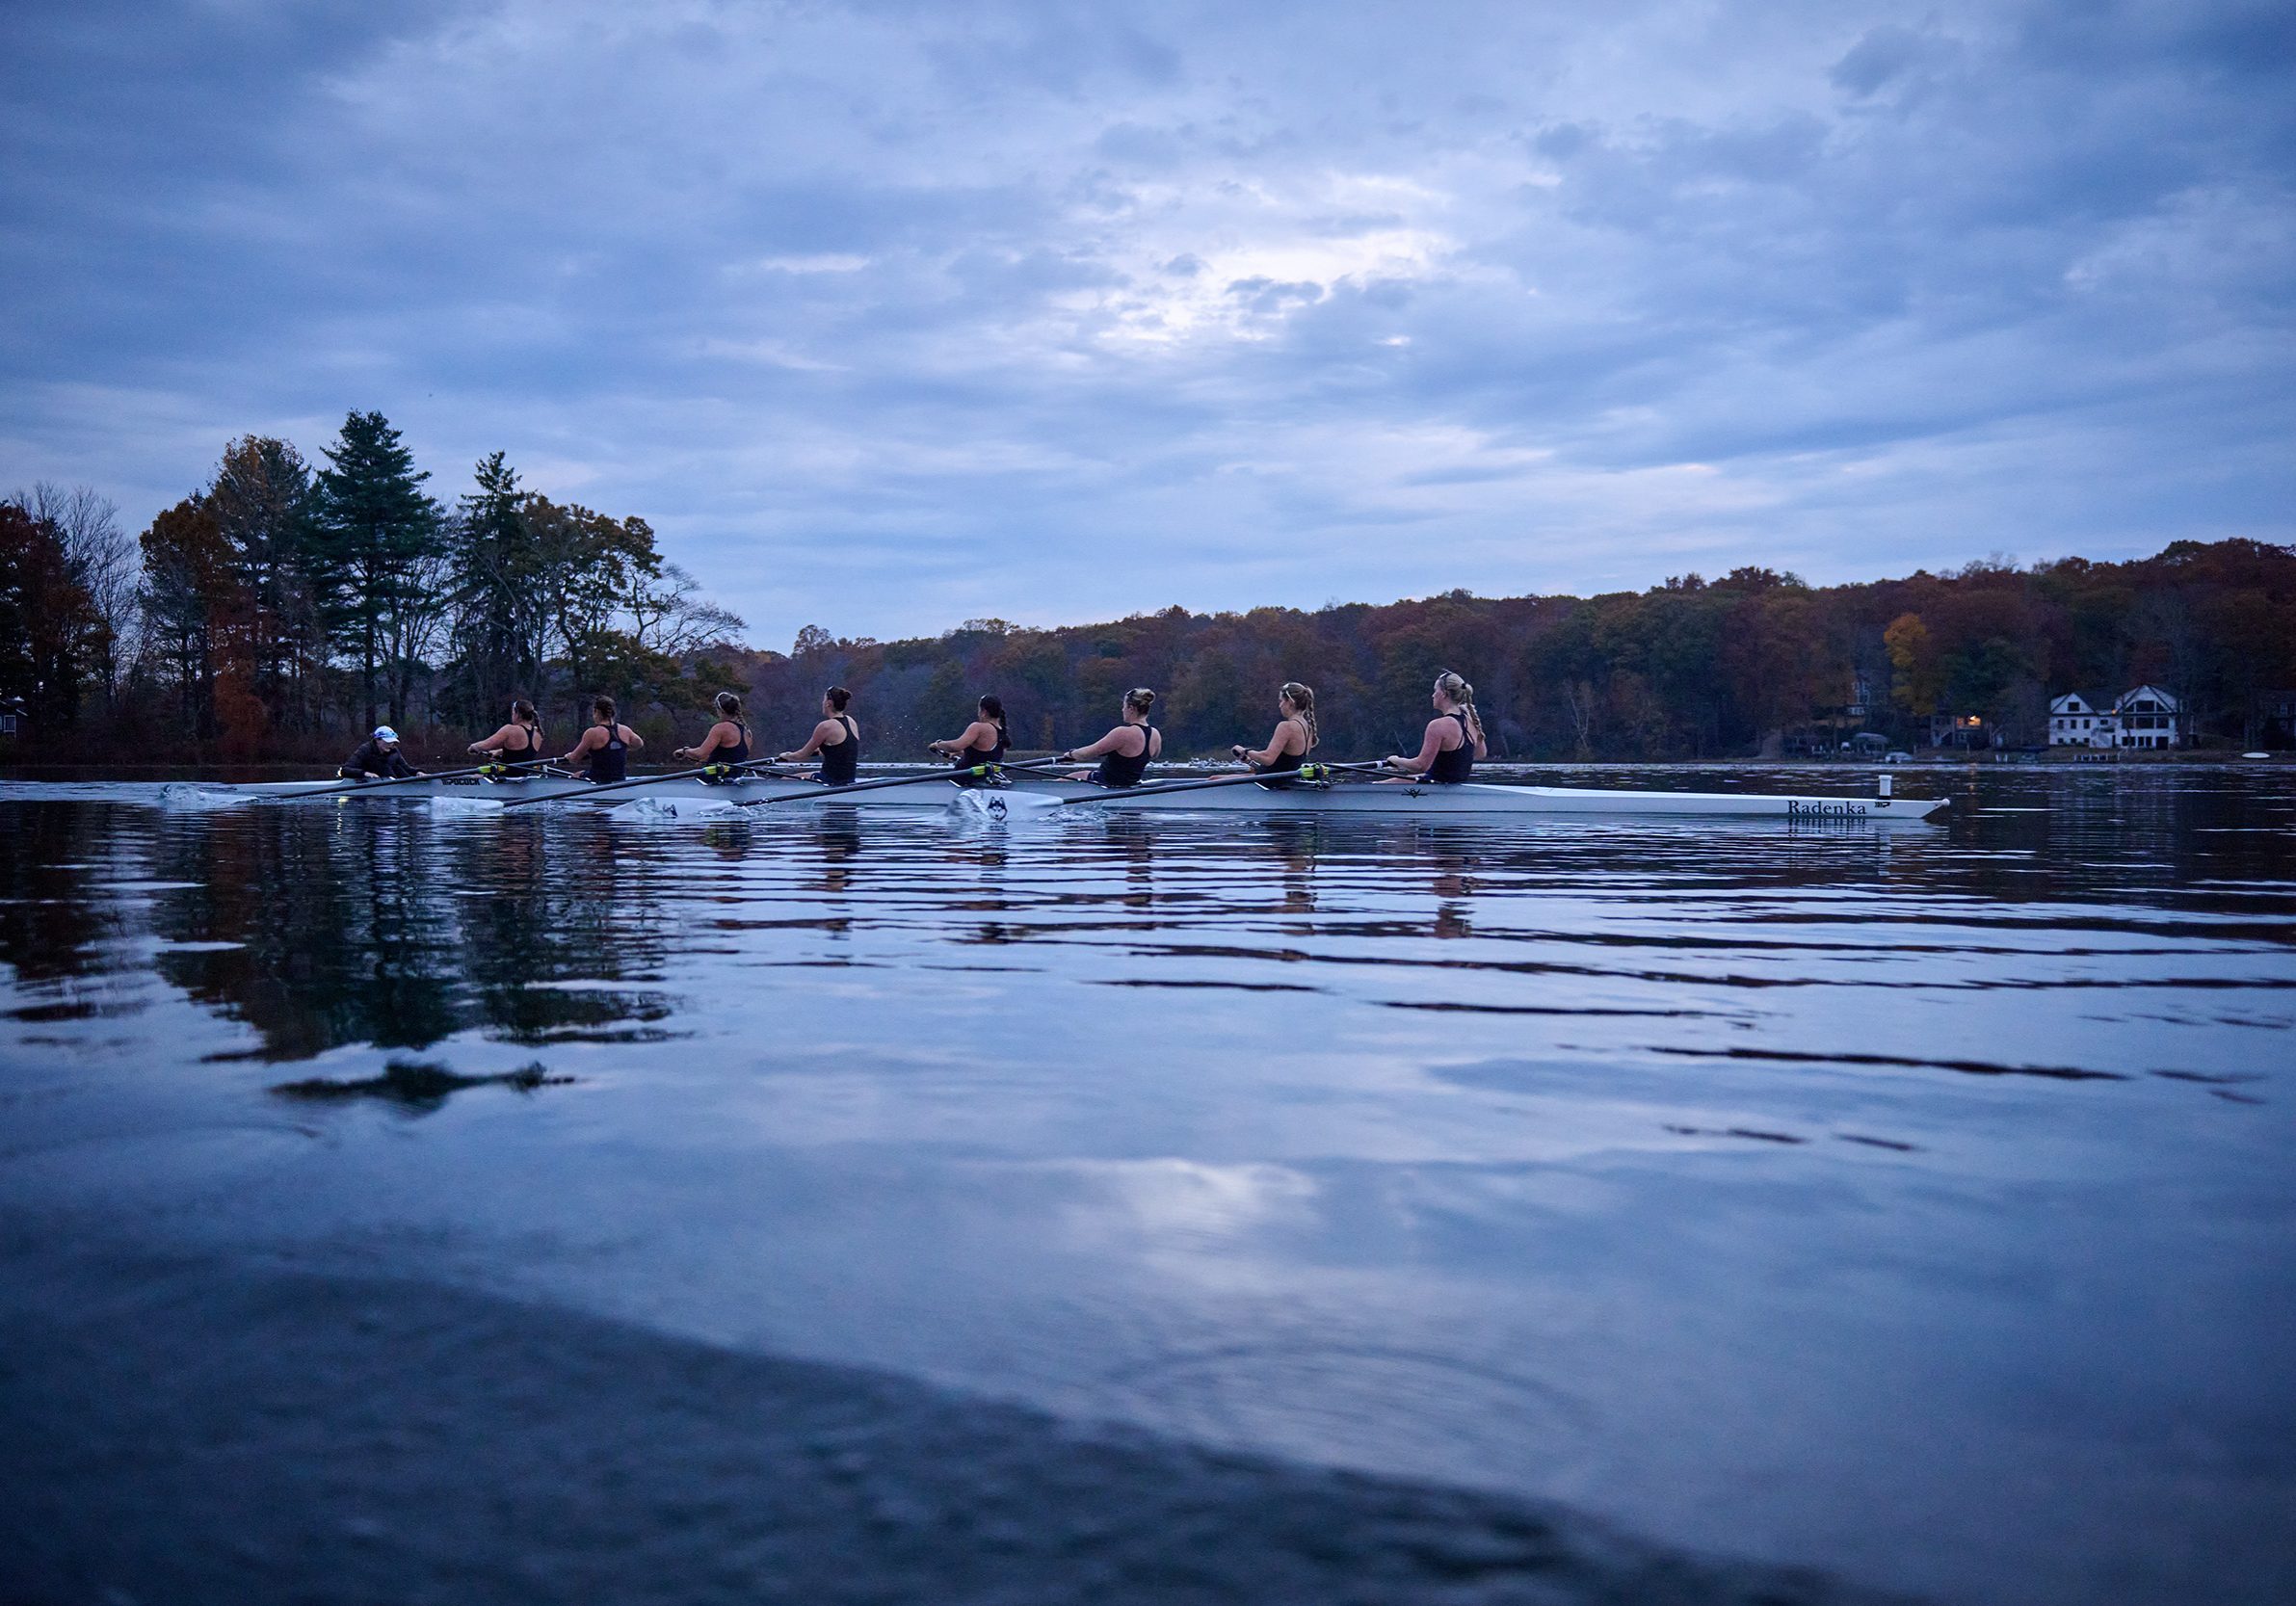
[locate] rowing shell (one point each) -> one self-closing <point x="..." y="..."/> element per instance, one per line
<point x="1035" y="793"/>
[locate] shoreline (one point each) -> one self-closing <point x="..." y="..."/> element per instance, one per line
<point x="2062" y="759"/>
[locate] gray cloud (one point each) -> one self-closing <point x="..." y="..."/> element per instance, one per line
<point x="888" y="315"/>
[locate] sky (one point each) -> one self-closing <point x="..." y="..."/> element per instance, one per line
<point x="889" y="315"/>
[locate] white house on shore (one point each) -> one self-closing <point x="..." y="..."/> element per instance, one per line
<point x="2144" y="717"/>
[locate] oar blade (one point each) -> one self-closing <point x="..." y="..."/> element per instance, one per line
<point x="1004" y="806"/>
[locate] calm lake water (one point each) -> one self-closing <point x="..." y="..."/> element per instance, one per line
<point x="1916" y="1204"/>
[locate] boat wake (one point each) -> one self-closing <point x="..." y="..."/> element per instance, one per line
<point x="189" y="793"/>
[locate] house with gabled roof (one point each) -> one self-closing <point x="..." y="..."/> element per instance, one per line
<point x="2142" y="717"/>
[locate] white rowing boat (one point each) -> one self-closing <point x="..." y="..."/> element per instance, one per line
<point x="1026" y="793"/>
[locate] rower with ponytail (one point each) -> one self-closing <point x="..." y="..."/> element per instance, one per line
<point x="1453" y="741"/>
<point x="1126" y="750"/>
<point x="1294" y="737"/>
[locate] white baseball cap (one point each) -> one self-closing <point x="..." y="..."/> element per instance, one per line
<point x="385" y="733"/>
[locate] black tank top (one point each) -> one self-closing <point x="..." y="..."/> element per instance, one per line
<point x="1115" y="770"/>
<point x="967" y="757"/>
<point x="611" y="762"/>
<point x="739" y="752"/>
<point x="839" y="758"/>
<point x="1287" y="763"/>
<point x="533" y="744"/>
<point x="1451" y="768"/>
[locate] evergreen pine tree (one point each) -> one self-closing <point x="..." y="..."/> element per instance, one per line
<point x="374" y="527"/>
<point x="500" y="629"/>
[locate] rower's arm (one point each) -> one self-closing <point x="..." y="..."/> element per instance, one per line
<point x="493" y="745"/>
<point x="962" y="743"/>
<point x="710" y="744"/>
<point x="1268" y="756"/>
<point x="1428" y="746"/>
<point x="582" y="746"/>
<point x="1106" y="744"/>
<point x="814" y="743"/>
<point x="631" y="740"/>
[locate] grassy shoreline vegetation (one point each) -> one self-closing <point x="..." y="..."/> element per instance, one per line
<point x="284" y="608"/>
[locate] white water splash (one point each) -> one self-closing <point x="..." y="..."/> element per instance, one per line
<point x="190" y="795"/>
<point x="648" y="810"/>
<point x="465" y="805"/>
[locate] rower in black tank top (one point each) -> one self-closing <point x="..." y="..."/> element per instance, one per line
<point x="966" y="757"/>
<point x="611" y="762"/>
<point x="1287" y="768"/>
<point x="739" y="752"/>
<point x="1118" y="771"/>
<point x="1449" y="769"/>
<point x="520" y="760"/>
<point x="840" y="760"/>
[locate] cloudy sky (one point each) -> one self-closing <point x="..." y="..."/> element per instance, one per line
<point x="891" y="314"/>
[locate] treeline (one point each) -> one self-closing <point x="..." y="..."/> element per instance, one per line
<point x="1691" y="669"/>
<point x="283" y="607"/>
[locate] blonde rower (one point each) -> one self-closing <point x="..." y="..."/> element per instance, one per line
<point x="1454" y="738"/>
<point x="727" y="741"/>
<point x="1294" y="737"/>
<point x="1124" y="752"/>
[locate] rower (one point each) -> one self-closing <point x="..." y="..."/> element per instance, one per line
<point x="727" y="741"/>
<point x="1294" y="737"/>
<point x="1124" y="752"/>
<point x="1453" y="742"/>
<point x="518" y="744"/>
<point x="378" y="756"/>
<point x="983" y="741"/>
<point x="836" y="739"/>
<point x="606" y="745"/>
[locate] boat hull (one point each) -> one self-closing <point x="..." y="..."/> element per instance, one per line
<point x="1036" y="794"/>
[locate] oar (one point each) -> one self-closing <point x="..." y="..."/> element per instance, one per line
<point x="1133" y="794"/>
<point x="371" y="786"/>
<point x="641" y="780"/>
<point x="978" y="770"/>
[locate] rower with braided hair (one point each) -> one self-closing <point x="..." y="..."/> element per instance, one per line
<point x="1294" y="738"/>
<point x="1454" y="738"/>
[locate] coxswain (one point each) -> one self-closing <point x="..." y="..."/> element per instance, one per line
<point x="378" y="758"/>
<point x="1123" y="752"/>
<point x="727" y="741"/>
<point x="1453" y="742"/>
<point x="1294" y="736"/>
<point x="983" y="741"/>
<point x="518" y="744"/>
<point x="605" y="746"/>
<point x="836" y="740"/>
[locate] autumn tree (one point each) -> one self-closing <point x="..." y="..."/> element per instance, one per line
<point x="190" y="593"/>
<point x="52" y="638"/>
<point x="1913" y="665"/>
<point x="263" y="501"/>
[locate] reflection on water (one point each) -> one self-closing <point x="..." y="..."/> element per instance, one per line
<point x="1915" y="1203"/>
